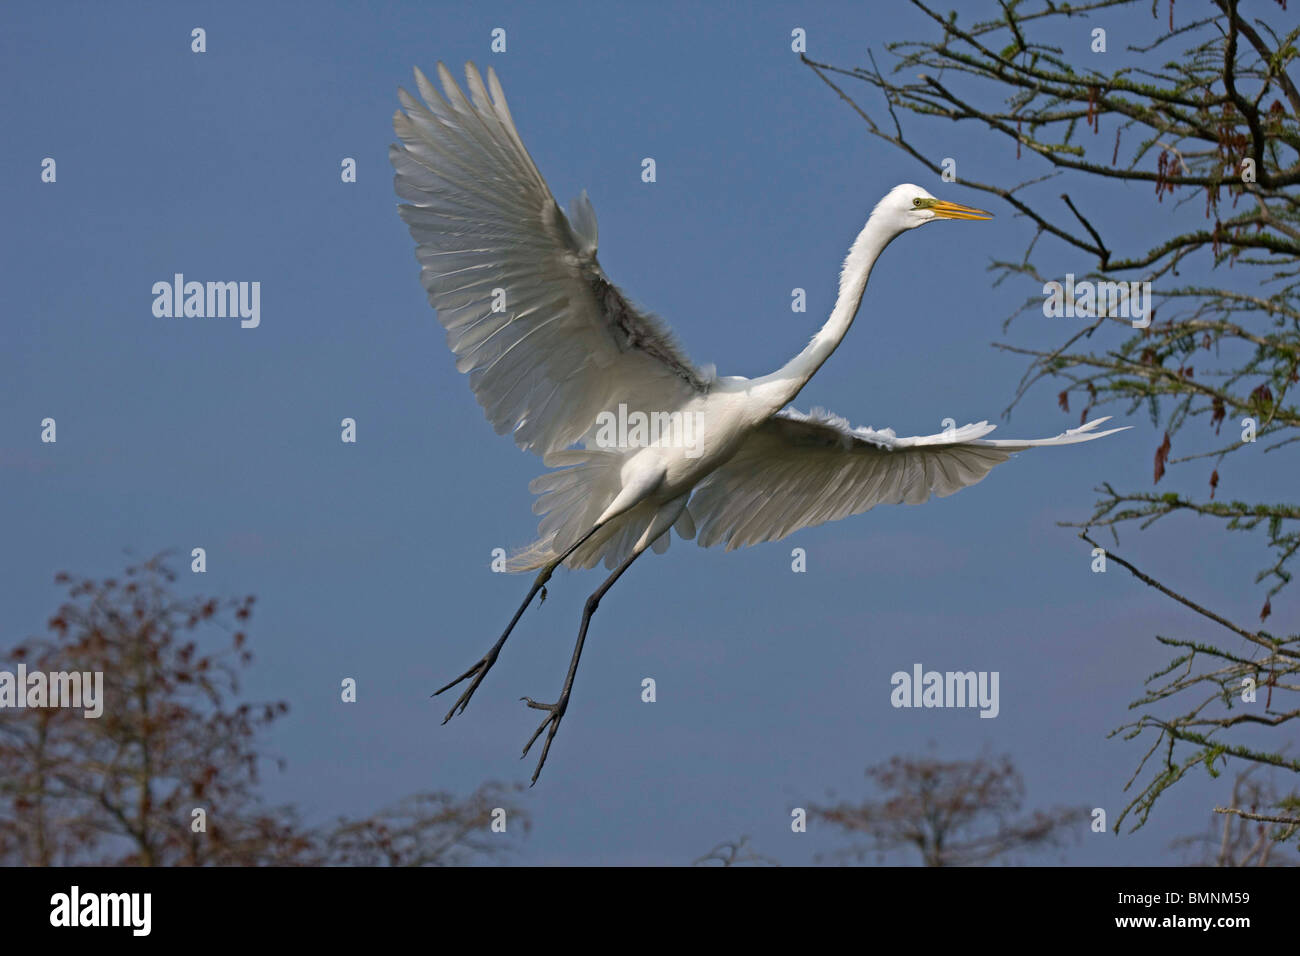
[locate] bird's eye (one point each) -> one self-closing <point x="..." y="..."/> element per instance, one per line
<point x="916" y="202"/>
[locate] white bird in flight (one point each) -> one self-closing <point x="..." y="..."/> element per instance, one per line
<point x="553" y="350"/>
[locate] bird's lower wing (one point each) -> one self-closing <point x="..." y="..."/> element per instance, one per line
<point x="548" y="342"/>
<point x="796" y="471"/>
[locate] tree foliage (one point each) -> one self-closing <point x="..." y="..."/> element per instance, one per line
<point x="1195" y="125"/>
<point x="173" y="738"/>
<point x="950" y="813"/>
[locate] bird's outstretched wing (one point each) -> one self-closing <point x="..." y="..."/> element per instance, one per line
<point x="547" y="340"/>
<point x="795" y="471"/>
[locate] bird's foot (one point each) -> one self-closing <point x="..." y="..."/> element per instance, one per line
<point x="477" y="672"/>
<point x="554" y="716"/>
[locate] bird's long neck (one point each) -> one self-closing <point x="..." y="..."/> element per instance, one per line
<point x="785" y="383"/>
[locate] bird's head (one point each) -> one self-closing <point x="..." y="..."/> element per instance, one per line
<point x="906" y="207"/>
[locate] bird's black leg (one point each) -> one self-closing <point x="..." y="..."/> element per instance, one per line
<point x="479" y="670"/>
<point x="556" y="711"/>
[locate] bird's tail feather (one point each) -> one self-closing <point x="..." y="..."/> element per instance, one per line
<point x="533" y="557"/>
<point x="572" y="499"/>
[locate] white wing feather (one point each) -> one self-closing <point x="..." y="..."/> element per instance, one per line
<point x="796" y="471"/>
<point x="568" y="344"/>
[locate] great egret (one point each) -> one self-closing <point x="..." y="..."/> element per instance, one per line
<point x="553" y="350"/>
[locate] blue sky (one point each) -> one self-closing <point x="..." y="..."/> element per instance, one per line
<point x="371" y="560"/>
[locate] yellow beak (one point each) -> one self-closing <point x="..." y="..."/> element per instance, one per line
<point x="952" y="210"/>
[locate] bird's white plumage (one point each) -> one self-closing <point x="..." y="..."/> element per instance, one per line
<point x="567" y="344"/>
<point x="551" y="347"/>
<point x="796" y="471"/>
